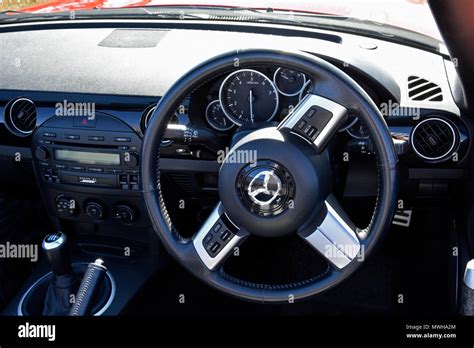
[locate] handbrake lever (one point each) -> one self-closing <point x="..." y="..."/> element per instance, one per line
<point x="88" y="289"/>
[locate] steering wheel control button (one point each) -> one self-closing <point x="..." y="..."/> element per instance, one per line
<point x="265" y="189"/>
<point x="225" y="235"/>
<point x="315" y="119"/>
<point x="217" y="238"/>
<point x="311" y="132"/>
<point x="310" y="113"/>
<point x="312" y="126"/>
<point x="302" y="124"/>
<point x="209" y="237"/>
<point x="215" y="248"/>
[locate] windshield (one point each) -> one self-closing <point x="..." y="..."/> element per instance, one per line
<point x="410" y="15"/>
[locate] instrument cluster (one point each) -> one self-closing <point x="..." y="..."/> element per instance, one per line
<point x="251" y="95"/>
<point x="261" y="95"/>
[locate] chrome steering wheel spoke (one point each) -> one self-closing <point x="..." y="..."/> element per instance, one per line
<point x="315" y="119"/>
<point x="335" y="237"/>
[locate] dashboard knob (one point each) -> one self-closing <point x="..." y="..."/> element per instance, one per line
<point x="66" y="206"/>
<point x="125" y="215"/>
<point x="42" y="153"/>
<point x="95" y="211"/>
<point x="131" y="159"/>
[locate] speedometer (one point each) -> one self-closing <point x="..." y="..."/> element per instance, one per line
<point x="247" y="95"/>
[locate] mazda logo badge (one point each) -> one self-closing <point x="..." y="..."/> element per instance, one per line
<point x="264" y="187"/>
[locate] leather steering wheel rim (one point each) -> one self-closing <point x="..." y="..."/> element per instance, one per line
<point x="331" y="84"/>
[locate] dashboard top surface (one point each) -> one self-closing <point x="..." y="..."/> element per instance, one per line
<point x="147" y="61"/>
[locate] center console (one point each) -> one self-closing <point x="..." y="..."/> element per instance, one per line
<point x="88" y="169"/>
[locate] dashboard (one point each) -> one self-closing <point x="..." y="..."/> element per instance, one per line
<point x="95" y="162"/>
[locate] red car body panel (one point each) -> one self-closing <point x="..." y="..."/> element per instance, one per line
<point x="409" y="14"/>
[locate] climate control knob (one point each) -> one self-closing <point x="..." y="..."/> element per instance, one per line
<point x="42" y="153"/>
<point x="95" y="211"/>
<point x="66" y="206"/>
<point x="124" y="214"/>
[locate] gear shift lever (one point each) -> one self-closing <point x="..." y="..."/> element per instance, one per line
<point x="57" y="253"/>
<point x="64" y="281"/>
<point x="56" y="293"/>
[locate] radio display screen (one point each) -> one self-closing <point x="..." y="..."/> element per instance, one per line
<point x="87" y="157"/>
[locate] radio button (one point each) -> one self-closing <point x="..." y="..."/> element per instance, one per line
<point x="96" y="170"/>
<point x="49" y="135"/>
<point x="123" y="147"/>
<point x="60" y="166"/>
<point x="78" y="168"/>
<point x="122" y="139"/>
<point x="95" y="138"/>
<point x="42" y="153"/>
<point x="114" y="171"/>
<point x="131" y="159"/>
<point x="72" y="136"/>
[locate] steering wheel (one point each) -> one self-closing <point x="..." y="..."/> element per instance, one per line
<point x="286" y="190"/>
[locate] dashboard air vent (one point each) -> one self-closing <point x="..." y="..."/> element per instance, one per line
<point x="146" y="117"/>
<point x="434" y="139"/>
<point x="20" y="116"/>
<point x="420" y="89"/>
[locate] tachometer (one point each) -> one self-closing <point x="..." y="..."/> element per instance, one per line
<point x="289" y="82"/>
<point x="216" y="117"/>
<point x="247" y="95"/>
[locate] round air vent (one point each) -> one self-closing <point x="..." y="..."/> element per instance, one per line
<point x="146" y="117"/>
<point x="434" y="139"/>
<point x="20" y="116"/>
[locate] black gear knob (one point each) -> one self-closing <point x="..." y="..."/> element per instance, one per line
<point x="57" y="253"/>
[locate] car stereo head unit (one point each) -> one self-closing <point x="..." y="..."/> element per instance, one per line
<point x="106" y="155"/>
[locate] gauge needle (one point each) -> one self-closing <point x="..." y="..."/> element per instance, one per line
<point x="250" y="104"/>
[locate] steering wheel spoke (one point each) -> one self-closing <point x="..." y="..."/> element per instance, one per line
<point x="217" y="238"/>
<point x="316" y="119"/>
<point x="335" y="237"/>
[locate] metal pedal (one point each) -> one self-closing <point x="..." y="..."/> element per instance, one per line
<point x="402" y="218"/>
